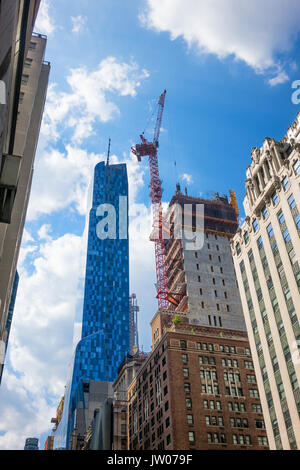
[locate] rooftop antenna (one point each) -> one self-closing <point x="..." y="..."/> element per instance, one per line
<point x="108" y="152"/>
<point x="178" y="189"/>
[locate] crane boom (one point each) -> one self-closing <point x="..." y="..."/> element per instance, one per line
<point x="150" y="149"/>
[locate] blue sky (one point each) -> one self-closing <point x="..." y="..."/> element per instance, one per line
<point x="228" y="68"/>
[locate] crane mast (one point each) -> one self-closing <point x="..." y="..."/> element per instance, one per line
<point x="150" y="149"/>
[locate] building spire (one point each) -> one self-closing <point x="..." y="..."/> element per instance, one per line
<point x="108" y="152"/>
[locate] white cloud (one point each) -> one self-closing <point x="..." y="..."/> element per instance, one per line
<point x="41" y="339"/>
<point x="70" y="169"/>
<point x="88" y="101"/>
<point x="43" y="232"/>
<point x="79" y="23"/>
<point x="282" y="77"/>
<point x="70" y="173"/>
<point x="44" y="22"/>
<point x="252" y="31"/>
<point x="187" y="178"/>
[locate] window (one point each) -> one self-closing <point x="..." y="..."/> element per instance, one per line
<point x="291" y="201"/>
<point x="32" y="46"/>
<point x="246" y="237"/>
<point x="183" y="344"/>
<point x="25" y="79"/>
<point x="253" y="393"/>
<point x="191" y="436"/>
<point x="259" y="424"/>
<point x="270" y="230"/>
<point x="262" y="441"/>
<point x="280" y="217"/>
<point x="296" y="167"/>
<point x="184" y="358"/>
<point x="260" y="243"/>
<point x="285" y="183"/>
<point x="255" y="225"/>
<point x="238" y="248"/>
<point x="247" y="351"/>
<point x="275" y="198"/>
<point x="190" y="419"/>
<point x="187" y="387"/>
<point x="28" y="62"/>
<point x="168" y="439"/>
<point x="251" y="378"/>
<point x="286" y="236"/>
<point x="264" y="212"/>
<point x="185" y="372"/>
<point x="188" y="403"/>
<point x="21" y="97"/>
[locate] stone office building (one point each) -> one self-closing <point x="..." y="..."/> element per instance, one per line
<point x="266" y="252"/>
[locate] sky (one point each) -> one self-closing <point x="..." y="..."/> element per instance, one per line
<point x="228" y="67"/>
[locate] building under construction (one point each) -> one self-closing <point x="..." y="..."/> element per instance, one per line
<point x="202" y="281"/>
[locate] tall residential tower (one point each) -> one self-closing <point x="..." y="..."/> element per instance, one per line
<point x="105" y="322"/>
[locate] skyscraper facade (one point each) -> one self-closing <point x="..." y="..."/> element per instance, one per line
<point x="266" y="253"/>
<point x="24" y="78"/>
<point x="105" y="322"/>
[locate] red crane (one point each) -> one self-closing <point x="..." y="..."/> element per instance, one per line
<point x="149" y="149"/>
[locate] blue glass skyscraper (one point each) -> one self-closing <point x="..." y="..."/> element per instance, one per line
<point x="105" y="321"/>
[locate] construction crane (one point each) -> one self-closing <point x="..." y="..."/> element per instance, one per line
<point x="149" y="149"/>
